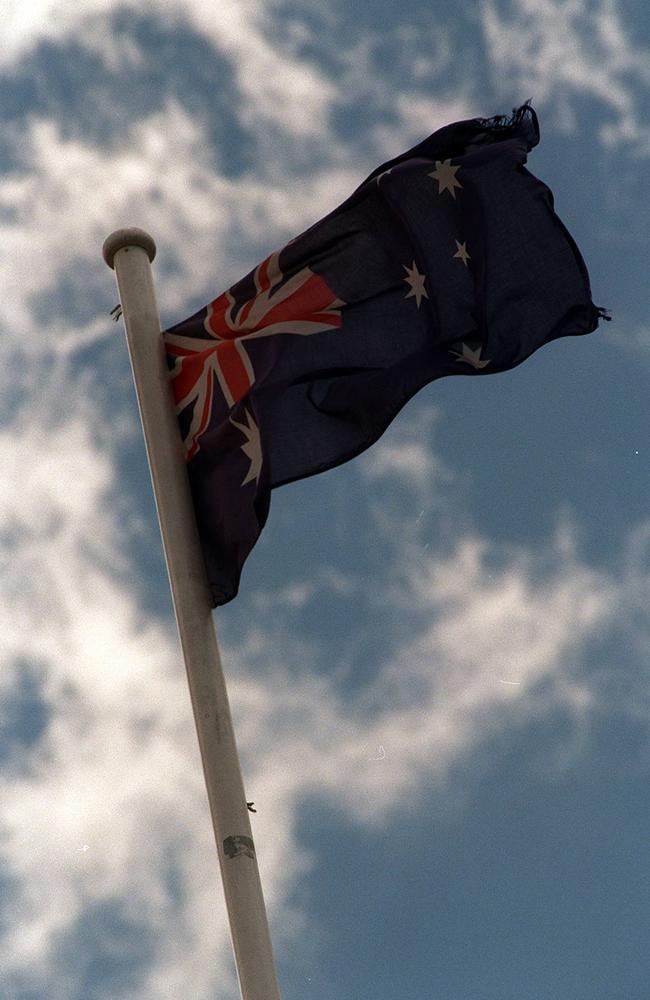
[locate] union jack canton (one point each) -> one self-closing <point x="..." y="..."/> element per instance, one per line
<point x="447" y="260"/>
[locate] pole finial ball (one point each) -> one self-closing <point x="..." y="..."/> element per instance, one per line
<point x="132" y="237"/>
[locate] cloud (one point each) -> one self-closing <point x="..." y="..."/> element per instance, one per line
<point x="87" y="779"/>
<point x="630" y="336"/>
<point x="558" y="51"/>
<point x="72" y="194"/>
<point x="105" y="832"/>
<point x="105" y="827"/>
<point x="405" y="453"/>
<point x="274" y="84"/>
<point x="489" y="649"/>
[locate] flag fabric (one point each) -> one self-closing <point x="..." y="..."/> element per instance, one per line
<point x="447" y="260"/>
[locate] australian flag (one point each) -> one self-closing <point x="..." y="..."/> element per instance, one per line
<point x="447" y="260"/>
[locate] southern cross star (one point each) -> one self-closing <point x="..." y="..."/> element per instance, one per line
<point x="416" y="281"/>
<point x="462" y="252"/>
<point x="252" y="448"/>
<point x="445" y="174"/>
<point x="472" y="358"/>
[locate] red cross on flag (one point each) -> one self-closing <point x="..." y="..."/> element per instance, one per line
<point x="301" y="305"/>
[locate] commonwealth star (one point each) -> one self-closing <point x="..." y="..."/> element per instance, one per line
<point x="416" y="281"/>
<point x="252" y="448"/>
<point x="462" y="252"/>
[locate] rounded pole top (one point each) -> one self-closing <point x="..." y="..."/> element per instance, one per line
<point x="131" y="237"/>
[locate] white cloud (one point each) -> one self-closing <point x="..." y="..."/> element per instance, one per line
<point x="418" y="116"/>
<point x="405" y="453"/>
<point x="72" y="194"/>
<point x="418" y="55"/>
<point x="109" y="800"/>
<point x="117" y="768"/>
<point x="118" y="720"/>
<point x="629" y="336"/>
<point x="442" y="695"/>
<point x="275" y="85"/>
<point x="559" y="50"/>
<point x="412" y="460"/>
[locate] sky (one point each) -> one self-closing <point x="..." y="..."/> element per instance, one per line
<point x="438" y="662"/>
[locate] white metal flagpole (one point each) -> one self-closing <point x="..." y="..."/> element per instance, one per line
<point x="130" y="252"/>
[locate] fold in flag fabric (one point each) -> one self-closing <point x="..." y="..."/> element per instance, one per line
<point x="447" y="260"/>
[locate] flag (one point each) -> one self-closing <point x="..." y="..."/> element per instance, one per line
<point x="447" y="260"/>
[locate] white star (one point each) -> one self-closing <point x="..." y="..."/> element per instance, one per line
<point x="472" y="358"/>
<point x="416" y="281"/>
<point x="445" y="174"/>
<point x="462" y="252"/>
<point x="253" y="447"/>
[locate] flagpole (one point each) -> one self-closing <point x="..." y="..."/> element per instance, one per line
<point x="130" y="252"/>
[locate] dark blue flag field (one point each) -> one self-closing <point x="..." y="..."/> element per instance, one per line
<point x="447" y="260"/>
